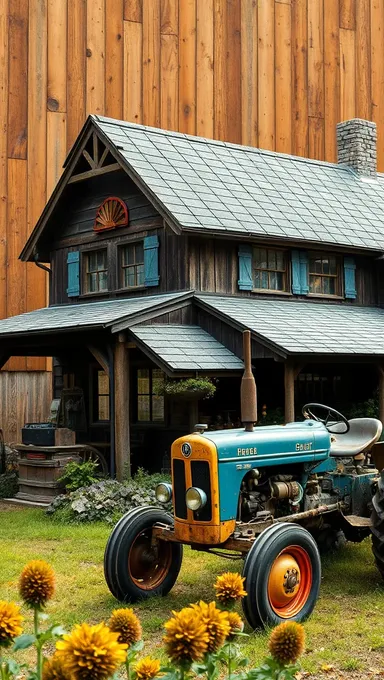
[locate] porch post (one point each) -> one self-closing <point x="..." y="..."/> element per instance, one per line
<point x="289" y="387"/>
<point x="381" y="392"/>
<point x="122" y="434"/>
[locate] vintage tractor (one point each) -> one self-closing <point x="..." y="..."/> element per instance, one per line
<point x="271" y="495"/>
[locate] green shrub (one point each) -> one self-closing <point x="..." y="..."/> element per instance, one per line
<point x="200" y="386"/>
<point x="106" y="500"/>
<point x="78" y="475"/>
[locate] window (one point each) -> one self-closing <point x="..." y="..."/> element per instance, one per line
<point x="96" y="271"/>
<point x="100" y="395"/>
<point x="324" y="274"/>
<point x="150" y="405"/>
<point x="269" y="269"/>
<point x="132" y="265"/>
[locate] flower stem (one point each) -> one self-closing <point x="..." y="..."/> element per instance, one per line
<point x="128" y="668"/>
<point x="38" y="644"/>
<point x="229" y="660"/>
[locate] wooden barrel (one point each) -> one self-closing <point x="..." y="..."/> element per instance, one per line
<point x="39" y="472"/>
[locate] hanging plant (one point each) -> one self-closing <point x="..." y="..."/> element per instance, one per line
<point x="191" y="388"/>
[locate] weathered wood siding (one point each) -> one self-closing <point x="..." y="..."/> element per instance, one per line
<point x="25" y="397"/>
<point x="273" y="73"/>
<point x="212" y="266"/>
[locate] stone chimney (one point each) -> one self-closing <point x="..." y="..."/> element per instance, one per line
<point x="356" y="146"/>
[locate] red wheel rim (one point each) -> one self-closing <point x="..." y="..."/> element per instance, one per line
<point x="290" y="581"/>
<point x="148" y="565"/>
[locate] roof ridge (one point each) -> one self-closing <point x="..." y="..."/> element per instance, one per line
<point x="217" y="142"/>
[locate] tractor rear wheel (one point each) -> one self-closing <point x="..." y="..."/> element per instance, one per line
<point x="134" y="568"/>
<point x="377" y="528"/>
<point x="282" y="576"/>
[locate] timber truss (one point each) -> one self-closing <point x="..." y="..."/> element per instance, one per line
<point x="96" y="159"/>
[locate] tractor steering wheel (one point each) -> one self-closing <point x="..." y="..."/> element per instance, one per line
<point x="331" y="413"/>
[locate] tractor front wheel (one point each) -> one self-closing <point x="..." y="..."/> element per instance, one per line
<point x="135" y="568"/>
<point x="282" y="576"/>
<point x="377" y="527"/>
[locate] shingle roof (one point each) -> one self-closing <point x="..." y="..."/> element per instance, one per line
<point x="208" y="185"/>
<point x="305" y="327"/>
<point x="187" y="348"/>
<point x="82" y="316"/>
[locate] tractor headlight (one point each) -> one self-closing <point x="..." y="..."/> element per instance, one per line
<point x="195" y="498"/>
<point x="163" y="492"/>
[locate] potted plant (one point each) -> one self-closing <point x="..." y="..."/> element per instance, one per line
<point x="190" y="388"/>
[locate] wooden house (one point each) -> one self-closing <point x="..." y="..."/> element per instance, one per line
<point x="162" y="247"/>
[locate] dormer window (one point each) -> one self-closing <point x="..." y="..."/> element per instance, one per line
<point x="270" y="271"/>
<point x="95" y="271"/>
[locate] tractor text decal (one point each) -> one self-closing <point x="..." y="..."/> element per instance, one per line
<point x="304" y="447"/>
<point x="247" y="452"/>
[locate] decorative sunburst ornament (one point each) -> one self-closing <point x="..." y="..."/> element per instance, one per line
<point x="112" y="213"/>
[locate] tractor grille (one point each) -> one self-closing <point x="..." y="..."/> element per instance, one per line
<point x="179" y="489"/>
<point x="201" y="479"/>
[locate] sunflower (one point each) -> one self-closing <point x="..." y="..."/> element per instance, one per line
<point x="216" y="621"/>
<point x="91" y="652"/>
<point x="187" y="637"/>
<point x="126" y="623"/>
<point x="236" y="623"/>
<point x="37" y="583"/>
<point x="10" y="622"/>
<point x="229" y="588"/>
<point x="286" y="642"/>
<point x="54" y="669"/>
<point x="147" y="668"/>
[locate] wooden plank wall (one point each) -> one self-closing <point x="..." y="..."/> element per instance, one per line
<point x="25" y="397"/>
<point x="272" y="73"/>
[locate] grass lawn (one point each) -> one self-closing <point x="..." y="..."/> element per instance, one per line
<point x="345" y="635"/>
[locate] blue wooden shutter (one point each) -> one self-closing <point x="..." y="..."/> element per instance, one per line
<point x="299" y="260"/>
<point x="349" y="278"/>
<point x="245" y="281"/>
<point x="151" y="261"/>
<point x="73" y="264"/>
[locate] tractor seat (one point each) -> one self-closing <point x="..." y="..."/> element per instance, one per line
<point x="363" y="433"/>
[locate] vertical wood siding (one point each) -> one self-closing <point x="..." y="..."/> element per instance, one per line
<point x="272" y="73"/>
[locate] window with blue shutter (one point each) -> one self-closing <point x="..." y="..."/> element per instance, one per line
<point x="350" y="278"/>
<point x="73" y="265"/>
<point x="151" y="261"/>
<point x="299" y="261"/>
<point x="245" y="281"/>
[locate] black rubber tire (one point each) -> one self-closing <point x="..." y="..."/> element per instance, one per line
<point x="377" y="528"/>
<point x="273" y="540"/>
<point x="117" y="551"/>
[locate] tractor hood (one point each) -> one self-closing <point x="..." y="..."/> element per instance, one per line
<point x="292" y="443"/>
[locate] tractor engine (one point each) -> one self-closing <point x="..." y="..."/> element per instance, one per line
<point x="265" y="494"/>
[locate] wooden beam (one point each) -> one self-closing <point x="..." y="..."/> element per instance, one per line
<point x="93" y="173"/>
<point x="381" y="392"/>
<point x="122" y="430"/>
<point x="289" y="388"/>
<point x="100" y="357"/>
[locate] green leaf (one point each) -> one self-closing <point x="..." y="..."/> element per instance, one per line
<point x="58" y="631"/>
<point x="13" y="668"/>
<point x="23" y="642"/>
<point x="42" y="616"/>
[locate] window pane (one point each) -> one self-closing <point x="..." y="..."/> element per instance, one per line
<point x="257" y="281"/>
<point x="143" y="381"/>
<point x="157" y="379"/>
<point x="280" y="264"/>
<point x="332" y="286"/>
<point x="271" y="259"/>
<point x="143" y="412"/>
<point x="130" y="255"/>
<point x="315" y="284"/>
<point x="139" y="252"/>
<point x="273" y="281"/>
<point x="92" y="260"/>
<point x="264" y="280"/>
<point x="101" y="259"/>
<point x="131" y="277"/>
<point x="332" y="265"/>
<point x="92" y="283"/>
<point x="262" y="263"/>
<point x="325" y="265"/>
<point x="103" y="412"/>
<point x="103" y="382"/>
<point x="103" y="281"/>
<point x="326" y="286"/>
<point x="140" y="275"/>
<point x="157" y="408"/>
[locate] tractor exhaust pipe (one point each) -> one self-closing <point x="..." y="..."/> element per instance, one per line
<point x="248" y="387"/>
